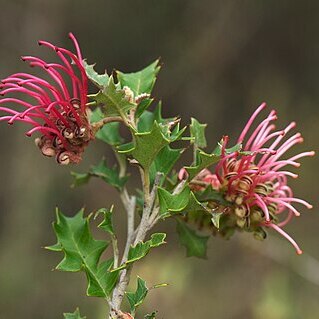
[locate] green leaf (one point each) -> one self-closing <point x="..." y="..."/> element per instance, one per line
<point x="82" y="253"/>
<point x="112" y="100"/>
<point x="109" y="175"/>
<point x="173" y="202"/>
<point x="165" y="161"/>
<point x="142" y="81"/>
<point x="211" y="194"/>
<point x="203" y="160"/>
<point x="107" y="223"/>
<point x="216" y="219"/>
<point x="136" y="298"/>
<point x="197" y="131"/>
<point x="110" y="132"/>
<point x="80" y="179"/>
<point x="75" y="315"/>
<point x="195" y="244"/>
<point x="146" y="146"/>
<point x="100" y="80"/>
<point x="142" y="248"/>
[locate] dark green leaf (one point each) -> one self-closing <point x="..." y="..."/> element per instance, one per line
<point x="82" y="253"/>
<point x="112" y="100"/>
<point x="173" y="202"/>
<point x="75" y="315"/>
<point x="197" y="131"/>
<point x="100" y="80"/>
<point x="195" y="244"/>
<point x="142" y="248"/>
<point x="136" y="298"/>
<point x="109" y="175"/>
<point x="107" y="223"/>
<point x="109" y="133"/>
<point x="142" y="81"/>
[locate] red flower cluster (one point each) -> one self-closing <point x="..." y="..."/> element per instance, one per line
<point x="255" y="182"/>
<point x="58" y="110"/>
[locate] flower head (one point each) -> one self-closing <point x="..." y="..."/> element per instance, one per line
<point x="254" y="180"/>
<point x="57" y="107"/>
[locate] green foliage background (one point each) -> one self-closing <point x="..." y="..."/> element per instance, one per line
<point x="221" y="59"/>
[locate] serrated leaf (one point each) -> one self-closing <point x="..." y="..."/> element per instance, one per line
<point x="110" y="132"/>
<point x="112" y="100"/>
<point x="211" y="194"/>
<point x="136" y="298"/>
<point x="100" y="80"/>
<point x="142" y="248"/>
<point x="109" y="175"/>
<point x="173" y="202"/>
<point x="197" y="131"/>
<point x="146" y="146"/>
<point x="165" y="161"/>
<point x="107" y="223"/>
<point x="82" y="253"/>
<point x="75" y="315"/>
<point x="203" y="160"/>
<point x="196" y="245"/>
<point x="142" y="81"/>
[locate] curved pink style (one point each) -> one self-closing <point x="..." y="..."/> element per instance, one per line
<point x="57" y="108"/>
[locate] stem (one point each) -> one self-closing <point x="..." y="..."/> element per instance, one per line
<point x="134" y="236"/>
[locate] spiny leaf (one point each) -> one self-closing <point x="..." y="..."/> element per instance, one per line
<point x="142" y="248"/>
<point x="112" y="100"/>
<point x="82" y="253"/>
<point x="136" y="298"/>
<point x="197" y="131"/>
<point x="195" y="244"/>
<point x="142" y="81"/>
<point x="109" y="133"/>
<point x="109" y="174"/>
<point x="151" y="315"/>
<point x="173" y="202"/>
<point x="100" y="80"/>
<point x="107" y="223"/>
<point x="75" y="315"/>
<point x="203" y="160"/>
<point x="147" y="145"/>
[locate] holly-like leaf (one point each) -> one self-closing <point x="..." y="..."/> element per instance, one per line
<point x="142" y="248"/>
<point x="100" y="80"/>
<point x="82" y="253"/>
<point x="147" y="145"/>
<point x="142" y="81"/>
<point x="173" y="202"/>
<point x="136" y="298"/>
<point x="112" y="100"/>
<point x="196" y="245"/>
<point x="197" y="131"/>
<point x="107" y="223"/>
<point x="203" y="160"/>
<point x="109" y="175"/>
<point x="109" y="133"/>
<point x="74" y="315"/>
<point x="165" y="161"/>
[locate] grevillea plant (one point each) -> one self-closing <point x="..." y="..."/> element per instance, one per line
<point x="243" y="188"/>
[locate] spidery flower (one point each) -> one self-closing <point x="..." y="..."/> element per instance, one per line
<point x="57" y="107"/>
<point x="255" y="180"/>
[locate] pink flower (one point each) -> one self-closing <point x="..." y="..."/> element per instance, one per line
<point x="58" y="106"/>
<point x="256" y="182"/>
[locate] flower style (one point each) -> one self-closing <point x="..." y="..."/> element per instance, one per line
<point x="58" y="110"/>
<point x="253" y="179"/>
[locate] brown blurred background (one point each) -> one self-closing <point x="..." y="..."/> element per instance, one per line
<point x="221" y="59"/>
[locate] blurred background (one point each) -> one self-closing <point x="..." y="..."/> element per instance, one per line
<point x="221" y="59"/>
